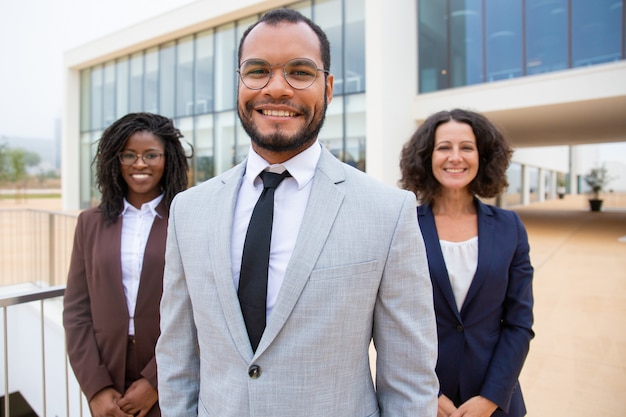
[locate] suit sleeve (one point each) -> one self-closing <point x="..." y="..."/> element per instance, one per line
<point x="177" y="348"/>
<point x="82" y="348"/>
<point x="516" y="328"/>
<point x="405" y="334"/>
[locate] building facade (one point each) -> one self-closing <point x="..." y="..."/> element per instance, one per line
<point x="529" y="65"/>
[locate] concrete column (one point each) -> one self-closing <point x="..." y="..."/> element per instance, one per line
<point x="525" y="185"/>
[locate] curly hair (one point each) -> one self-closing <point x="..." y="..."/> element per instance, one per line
<point x="109" y="180"/>
<point x="493" y="149"/>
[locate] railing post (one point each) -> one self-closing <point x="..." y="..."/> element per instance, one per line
<point x="6" y="363"/>
<point x="51" y="250"/>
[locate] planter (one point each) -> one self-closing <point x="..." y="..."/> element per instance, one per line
<point x="595" y="204"/>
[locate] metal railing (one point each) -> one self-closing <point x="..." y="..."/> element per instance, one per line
<point x="35" y="251"/>
<point x="37" y="299"/>
<point x="35" y="244"/>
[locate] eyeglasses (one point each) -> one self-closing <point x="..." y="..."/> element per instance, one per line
<point x="300" y="73"/>
<point x="150" y="158"/>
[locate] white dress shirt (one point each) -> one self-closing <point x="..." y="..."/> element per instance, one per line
<point x="461" y="261"/>
<point x="290" y="201"/>
<point x="136" y="226"/>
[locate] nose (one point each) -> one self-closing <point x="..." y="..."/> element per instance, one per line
<point x="277" y="84"/>
<point x="139" y="161"/>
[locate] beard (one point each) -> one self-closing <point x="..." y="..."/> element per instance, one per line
<point x="278" y="141"/>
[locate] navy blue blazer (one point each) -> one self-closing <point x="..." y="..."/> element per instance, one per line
<point x="482" y="347"/>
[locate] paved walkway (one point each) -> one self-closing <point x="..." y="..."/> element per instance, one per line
<point x="577" y="361"/>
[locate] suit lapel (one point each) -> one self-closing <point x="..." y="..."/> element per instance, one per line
<point x="322" y="208"/>
<point x="222" y="206"/>
<point x="436" y="263"/>
<point x="486" y="241"/>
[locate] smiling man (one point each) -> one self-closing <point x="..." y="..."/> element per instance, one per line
<point x="253" y="326"/>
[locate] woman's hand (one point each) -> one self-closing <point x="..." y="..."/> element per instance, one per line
<point x="139" y="398"/>
<point x="476" y="407"/>
<point x="105" y="404"/>
<point x="445" y="406"/>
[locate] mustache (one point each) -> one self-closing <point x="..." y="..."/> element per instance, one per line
<point x="288" y="103"/>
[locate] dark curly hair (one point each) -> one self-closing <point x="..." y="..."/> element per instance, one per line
<point x="109" y="178"/>
<point x="277" y="16"/>
<point x="494" y="154"/>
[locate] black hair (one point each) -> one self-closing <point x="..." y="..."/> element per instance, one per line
<point x="109" y="180"/>
<point x="277" y="16"/>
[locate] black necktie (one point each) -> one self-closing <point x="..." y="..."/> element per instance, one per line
<point x="256" y="257"/>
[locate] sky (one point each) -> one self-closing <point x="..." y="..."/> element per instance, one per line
<point x="34" y="34"/>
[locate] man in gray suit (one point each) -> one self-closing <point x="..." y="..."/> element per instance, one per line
<point x="347" y="264"/>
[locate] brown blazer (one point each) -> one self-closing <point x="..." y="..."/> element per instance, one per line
<point x="95" y="314"/>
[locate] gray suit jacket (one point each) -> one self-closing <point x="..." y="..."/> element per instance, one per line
<point x="358" y="271"/>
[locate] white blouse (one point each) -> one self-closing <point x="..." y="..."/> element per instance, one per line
<point x="461" y="261"/>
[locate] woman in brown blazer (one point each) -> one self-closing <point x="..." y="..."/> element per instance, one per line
<point x="115" y="280"/>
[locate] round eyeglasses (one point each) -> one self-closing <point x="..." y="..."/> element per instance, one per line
<point x="300" y="73"/>
<point x="150" y="158"/>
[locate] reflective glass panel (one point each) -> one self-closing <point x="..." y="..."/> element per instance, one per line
<point x="136" y="82"/>
<point x="204" y="149"/>
<point x="596" y="31"/>
<point x="432" y="45"/>
<point x="205" y="62"/>
<point x="85" y="100"/>
<point x="151" y="81"/>
<point x="546" y="35"/>
<point x="354" y="53"/>
<point x="184" y="77"/>
<point x="327" y="14"/>
<point x="503" y="31"/>
<point x="96" y="97"/>
<point x="355" y="131"/>
<point x="121" y="85"/>
<point x="167" y="79"/>
<point x="108" y="94"/>
<point x="466" y="42"/>
<point x="226" y="55"/>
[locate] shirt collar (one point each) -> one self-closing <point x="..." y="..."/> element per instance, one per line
<point x="301" y="167"/>
<point x="149" y="206"/>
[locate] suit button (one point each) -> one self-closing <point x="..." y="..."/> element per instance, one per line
<point x="254" y="371"/>
<point x="459" y="328"/>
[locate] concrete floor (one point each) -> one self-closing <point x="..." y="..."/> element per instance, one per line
<point x="577" y="361"/>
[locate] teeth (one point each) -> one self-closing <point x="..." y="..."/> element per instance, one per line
<point x="140" y="176"/>
<point x="454" y="171"/>
<point x="278" y="113"/>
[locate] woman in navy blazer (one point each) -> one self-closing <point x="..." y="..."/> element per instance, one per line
<point x="478" y="256"/>
<point x="115" y="280"/>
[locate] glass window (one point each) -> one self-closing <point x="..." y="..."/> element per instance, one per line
<point x="513" y="194"/>
<point x="85" y="100"/>
<point x="167" y="79"/>
<point x="304" y="7"/>
<point x="596" y="31"/>
<point x="432" y="45"/>
<point x="136" y="82"/>
<point x="546" y="35"/>
<point x="151" y="81"/>
<point x="354" y="53"/>
<point x="204" y="149"/>
<point x="184" y="77"/>
<point x="503" y="31"/>
<point x="225" y="124"/>
<point x="466" y="42"/>
<point x="355" y="131"/>
<point x="205" y="61"/>
<point x="96" y="97"/>
<point x="226" y="55"/>
<point x="108" y="94"/>
<point x="327" y="14"/>
<point x="331" y="134"/>
<point x="122" y="76"/>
